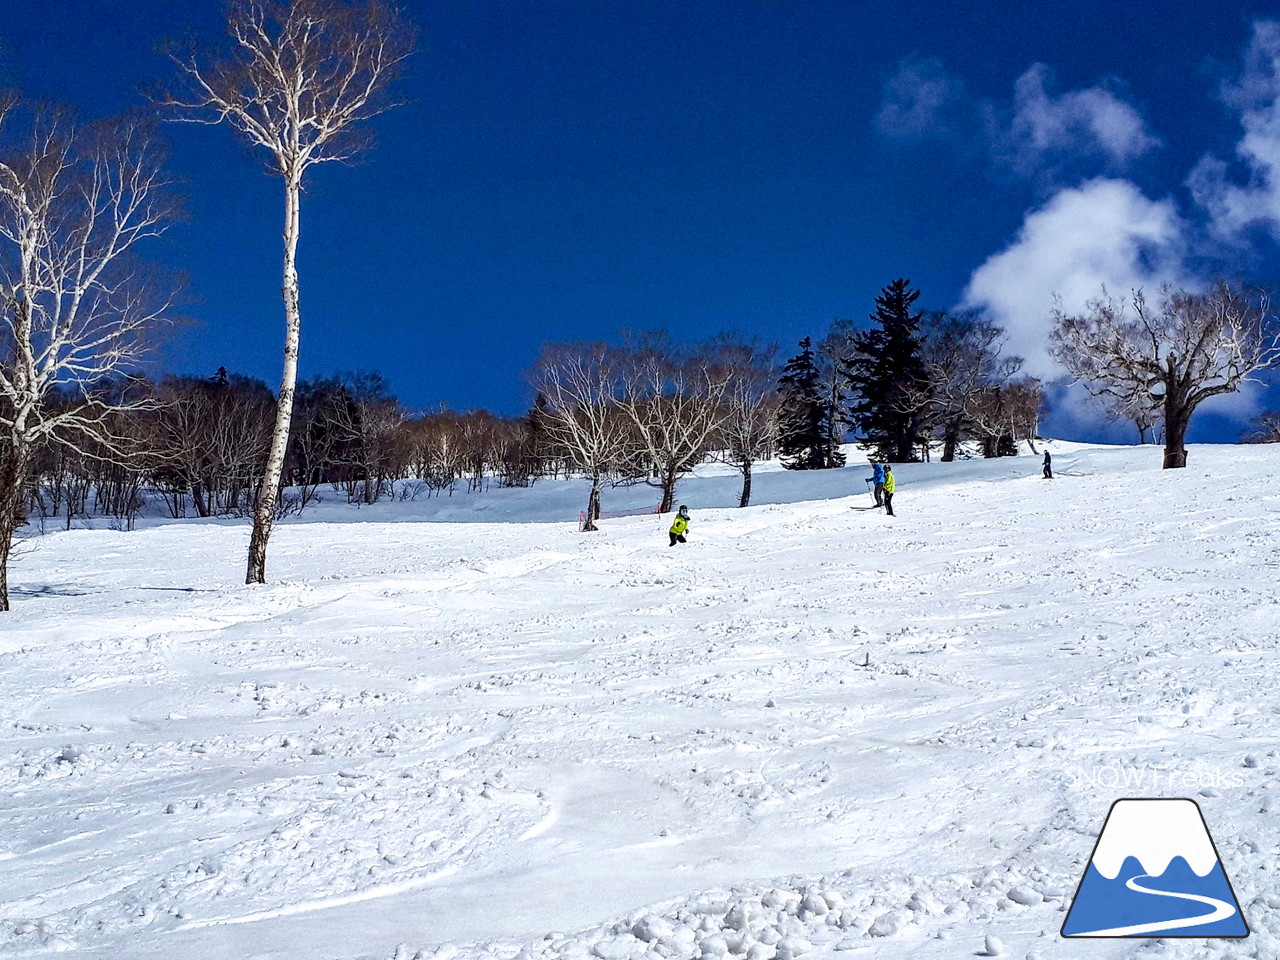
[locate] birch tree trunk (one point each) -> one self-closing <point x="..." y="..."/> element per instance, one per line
<point x="593" y="506"/>
<point x="265" y="512"/>
<point x="744" y="465"/>
<point x="13" y="484"/>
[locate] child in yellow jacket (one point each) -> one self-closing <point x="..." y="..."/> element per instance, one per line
<point x="680" y="525"/>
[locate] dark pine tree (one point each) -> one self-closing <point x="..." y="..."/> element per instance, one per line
<point x="886" y="376"/>
<point x="536" y="439"/>
<point x="805" y="434"/>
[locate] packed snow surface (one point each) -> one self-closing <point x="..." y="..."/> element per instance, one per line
<point x="814" y="730"/>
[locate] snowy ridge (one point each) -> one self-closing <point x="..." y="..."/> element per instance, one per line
<point x="1154" y="832"/>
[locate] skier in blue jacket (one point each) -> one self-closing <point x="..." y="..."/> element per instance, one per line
<point x="877" y="477"/>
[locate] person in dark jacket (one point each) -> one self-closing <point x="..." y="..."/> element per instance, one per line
<point x="889" y="484"/>
<point x="680" y="525"/>
<point x="877" y="478"/>
<point x="1048" y="466"/>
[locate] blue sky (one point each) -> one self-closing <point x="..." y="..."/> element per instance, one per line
<point x="567" y="169"/>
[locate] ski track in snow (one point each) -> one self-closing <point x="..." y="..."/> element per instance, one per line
<point x="811" y="731"/>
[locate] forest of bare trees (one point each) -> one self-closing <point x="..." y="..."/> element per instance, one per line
<point x="198" y="448"/>
<point x="645" y="411"/>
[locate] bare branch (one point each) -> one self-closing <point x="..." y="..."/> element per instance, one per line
<point x="297" y="78"/>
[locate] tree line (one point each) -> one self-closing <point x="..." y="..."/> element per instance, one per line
<point x="646" y="410"/>
<point x="909" y="382"/>
<point x="198" y="446"/>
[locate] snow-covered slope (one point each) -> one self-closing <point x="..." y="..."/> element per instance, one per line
<point x="813" y="729"/>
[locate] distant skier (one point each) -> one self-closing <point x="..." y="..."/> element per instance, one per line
<point x="680" y="525"/>
<point x="877" y="477"/>
<point x="888" y="490"/>
<point x="1048" y="466"/>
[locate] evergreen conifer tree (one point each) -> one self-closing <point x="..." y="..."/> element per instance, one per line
<point x="805" y="433"/>
<point x="887" y="377"/>
<point x="537" y="439"/>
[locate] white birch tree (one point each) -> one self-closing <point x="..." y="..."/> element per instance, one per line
<point x="581" y="384"/>
<point x="75" y="302"/>
<point x="674" y="400"/>
<point x="299" y="79"/>
<point x="749" y="432"/>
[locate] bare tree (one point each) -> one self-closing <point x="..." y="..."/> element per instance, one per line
<point x="673" y="398"/>
<point x="829" y="357"/>
<point x="1264" y="428"/>
<point x="514" y="453"/>
<point x="299" y="79"/>
<point x="1002" y="414"/>
<point x="1179" y="352"/>
<point x="1139" y="409"/>
<point x="75" y="303"/>
<point x="321" y="435"/>
<point x="749" y="432"/>
<point x="212" y="435"/>
<point x="964" y="371"/>
<point x="480" y="442"/>
<point x="368" y="418"/>
<point x="582" y="387"/>
<point x="436" y="454"/>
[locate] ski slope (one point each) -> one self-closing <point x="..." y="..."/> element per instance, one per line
<point x="811" y="731"/>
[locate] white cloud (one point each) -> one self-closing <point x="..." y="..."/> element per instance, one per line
<point x="1047" y="130"/>
<point x="919" y="100"/>
<point x="1234" y="208"/>
<point x="1038" y="134"/>
<point x="1105" y="232"/>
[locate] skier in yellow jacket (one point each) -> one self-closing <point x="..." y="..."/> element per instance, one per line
<point x="680" y="525"/>
<point x="888" y="490"/>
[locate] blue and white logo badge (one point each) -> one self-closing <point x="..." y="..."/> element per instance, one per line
<point x="1155" y="872"/>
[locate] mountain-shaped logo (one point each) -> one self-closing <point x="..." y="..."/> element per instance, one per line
<point x="1155" y="872"/>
